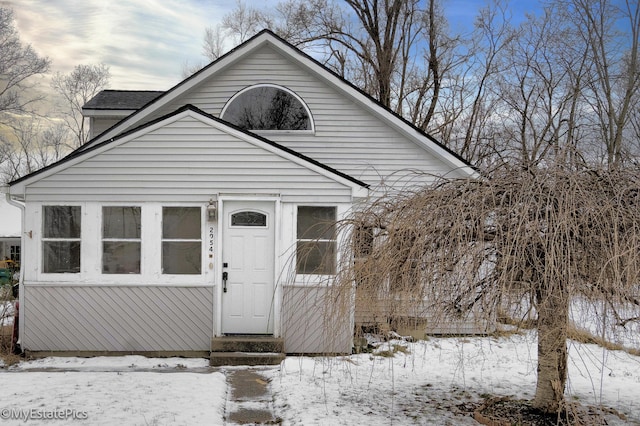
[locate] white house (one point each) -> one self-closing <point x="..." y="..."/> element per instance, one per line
<point x="192" y="213"/>
<point x="10" y="227"/>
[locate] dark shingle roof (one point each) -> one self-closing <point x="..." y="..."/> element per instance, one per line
<point x="122" y="99"/>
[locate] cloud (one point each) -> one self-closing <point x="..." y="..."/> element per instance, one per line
<point x="145" y="42"/>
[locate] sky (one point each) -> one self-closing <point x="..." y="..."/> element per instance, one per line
<point x="146" y="43"/>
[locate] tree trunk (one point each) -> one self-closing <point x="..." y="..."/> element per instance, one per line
<point x="553" y="316"/>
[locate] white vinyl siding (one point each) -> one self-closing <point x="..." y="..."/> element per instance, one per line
<point x="185" y="161"/>
<point x="100" y="124"/>
<point x="347" y="136"/>
<point x="117" y="318"/>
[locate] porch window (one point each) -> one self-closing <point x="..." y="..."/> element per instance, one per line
<point x="316" y="240"/>
<point x="121" y="229"/>
<point x="267" y="107"/>
<point x="181" y="240"/>
<point x="61" y="239"/>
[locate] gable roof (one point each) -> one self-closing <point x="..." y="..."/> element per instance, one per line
<point x="121" y="99"/>
<point x="267" y="37"/>
<point x="77" y="156"/>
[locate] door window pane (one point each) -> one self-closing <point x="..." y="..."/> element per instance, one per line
<point x="248" y="218"/>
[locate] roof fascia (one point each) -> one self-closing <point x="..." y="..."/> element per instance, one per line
<point x="105" y="112"/>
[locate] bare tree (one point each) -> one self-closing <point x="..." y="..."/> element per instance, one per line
<point x="213" y="45"/>
<point x="376" y="44"/>
<point x="537" y="238"/>
<point x="35" y="143"/>
<point x="18" y="63"/>
<point x="77" y="88"/>
<point x="561" y="83"/>
<point x="615" y="56"/>
<point x="491" y="37"/>
<point x="6" y="151"/>
<point x="245" y="21"/>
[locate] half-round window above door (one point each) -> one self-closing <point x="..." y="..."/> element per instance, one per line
<point x="267" y="107"/>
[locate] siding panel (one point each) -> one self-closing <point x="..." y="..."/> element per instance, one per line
<point x="310" y="326"/>
<point x="117" y="318"/>
<point x="195" y="162"/>
<point x="348" y="136"/>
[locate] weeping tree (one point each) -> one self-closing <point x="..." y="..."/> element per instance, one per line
<point x="535" y="237"/>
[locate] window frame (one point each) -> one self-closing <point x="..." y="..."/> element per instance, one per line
<point x="334" y="240"/>
<point x="123" y="239"/>
<point x="44" y="240"/>
<point x="312" y="126"/>
<point x="164" y="240"/>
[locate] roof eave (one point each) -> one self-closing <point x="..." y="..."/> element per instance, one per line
<point x="106" y="112"/>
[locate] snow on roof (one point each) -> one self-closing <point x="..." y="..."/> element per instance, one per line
<point x="10" y="219"/>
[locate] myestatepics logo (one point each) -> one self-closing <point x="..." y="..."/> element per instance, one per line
<point x="42" y="414"/>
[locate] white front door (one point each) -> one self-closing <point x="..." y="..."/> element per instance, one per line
<point x="248" y="265"/>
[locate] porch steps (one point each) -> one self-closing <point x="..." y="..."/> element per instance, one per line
<point x="246" y="350"/>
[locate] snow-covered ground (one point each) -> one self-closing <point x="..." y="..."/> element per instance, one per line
<point x="424" y="383"/>
<point x="433" y="381"/>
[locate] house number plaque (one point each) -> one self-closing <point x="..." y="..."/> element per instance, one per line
<point x="211" y="241"/>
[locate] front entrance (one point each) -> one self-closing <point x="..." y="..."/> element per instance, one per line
<point x="248" y="237"/>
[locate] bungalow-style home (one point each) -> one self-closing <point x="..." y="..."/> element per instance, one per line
<point x="192" y="214"/>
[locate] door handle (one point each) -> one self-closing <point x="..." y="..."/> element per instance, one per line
<point x="225" y="277"/>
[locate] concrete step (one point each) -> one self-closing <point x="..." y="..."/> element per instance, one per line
<point x="246" y="350"/>
<point x="247" y="344"/>
<point x="219" y="359"/>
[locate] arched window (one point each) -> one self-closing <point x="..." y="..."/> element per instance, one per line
<point x="267" y="107"/>
<point x="249" y="218"/>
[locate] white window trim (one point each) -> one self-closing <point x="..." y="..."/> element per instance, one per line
<point x="91" y="249"/>
<point x="61" y="277"/>
<point x="314" y="279"/>
<point x="138" y="240"/>
<point x="184" y="277"/>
